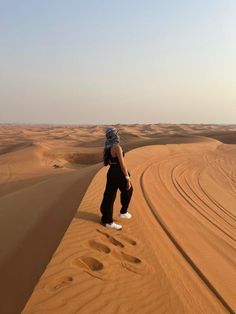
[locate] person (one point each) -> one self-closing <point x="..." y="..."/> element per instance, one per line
<point x="118" y="177"/>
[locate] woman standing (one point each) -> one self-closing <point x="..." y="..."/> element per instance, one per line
<point x="118" y="177"/>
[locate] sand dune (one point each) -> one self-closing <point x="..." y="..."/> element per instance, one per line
<point x="177" y="254"/>
<point x="34" y="215"/>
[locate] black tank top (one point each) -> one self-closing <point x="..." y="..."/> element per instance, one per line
<point x="114" y="160"/>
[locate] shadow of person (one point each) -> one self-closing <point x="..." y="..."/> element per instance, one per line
<point x="88" y="216"/>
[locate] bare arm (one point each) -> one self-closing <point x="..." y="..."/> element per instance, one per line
<point x="119" y="154"/>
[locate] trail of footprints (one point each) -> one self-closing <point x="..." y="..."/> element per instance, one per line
<point x="91" y="264"/>
<point x="114" y="248"/>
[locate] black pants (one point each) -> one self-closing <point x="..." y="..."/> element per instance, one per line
<point x="115" y="180"/>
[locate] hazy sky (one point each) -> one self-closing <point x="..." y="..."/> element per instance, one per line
<point x="130" y="61"/>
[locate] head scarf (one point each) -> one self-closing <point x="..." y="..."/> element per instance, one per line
<point x="112" y="137"/>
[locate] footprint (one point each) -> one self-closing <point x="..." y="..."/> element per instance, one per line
<point x="127" y="239"/>
<point x="60" y="283"/>
<point x="131" y="263"/>
<point x="130" y="258"/>
<point x="112" y="239"/>
<point x="99" y="246"/>
<point x="88" y="263"/>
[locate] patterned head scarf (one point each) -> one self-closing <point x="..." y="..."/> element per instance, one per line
<point x="112" y="137"/>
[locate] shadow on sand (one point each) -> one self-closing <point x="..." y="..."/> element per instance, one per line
<point x="88" y="216"/>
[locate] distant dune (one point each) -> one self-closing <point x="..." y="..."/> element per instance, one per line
<point x="177" y="254"/>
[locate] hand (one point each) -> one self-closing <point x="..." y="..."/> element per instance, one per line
<point x="128" y="184"/>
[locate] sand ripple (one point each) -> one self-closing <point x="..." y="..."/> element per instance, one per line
<point x="176" y="255"/>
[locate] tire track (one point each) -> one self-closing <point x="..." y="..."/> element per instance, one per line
<point x="179" y="247"/>
<point x="205" y="203"/>
<point x="225" y="210"/>
<point x="193" y="204"/>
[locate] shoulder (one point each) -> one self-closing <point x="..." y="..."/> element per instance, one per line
<point x="117" y="148"/>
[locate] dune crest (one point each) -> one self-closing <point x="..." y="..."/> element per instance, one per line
<point x="177" y="253"/>
<point x="183" y="215"/>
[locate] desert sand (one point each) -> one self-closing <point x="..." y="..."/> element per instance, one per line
<point x="177" y="253"/>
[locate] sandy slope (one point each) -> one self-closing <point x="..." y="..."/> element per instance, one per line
<point x="34" y="199"/>
<point x="179" y="189"/>
<point x="177" y="254"/>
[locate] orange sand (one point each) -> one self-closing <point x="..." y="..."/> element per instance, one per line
<point x="176" y="255"/>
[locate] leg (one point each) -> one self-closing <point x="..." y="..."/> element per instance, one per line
<point x="125" y="197"/>
<point x="107" y="202"/>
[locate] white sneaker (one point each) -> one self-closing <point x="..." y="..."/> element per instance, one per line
<point x="114" y="226"/>
<point x="126" y="215"/>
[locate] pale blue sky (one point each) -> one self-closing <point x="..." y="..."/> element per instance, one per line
<point x="130" y="61"/>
